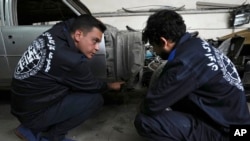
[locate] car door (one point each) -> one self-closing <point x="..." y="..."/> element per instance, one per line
<point x="25" y="20"/>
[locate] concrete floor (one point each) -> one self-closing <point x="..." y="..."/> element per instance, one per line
<point x="113" y="123"/>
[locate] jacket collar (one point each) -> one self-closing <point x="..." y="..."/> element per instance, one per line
<point x="184" y="38"/>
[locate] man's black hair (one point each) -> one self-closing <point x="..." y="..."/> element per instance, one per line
<point x="164" y="23"/>
<point x="86" y="23"/>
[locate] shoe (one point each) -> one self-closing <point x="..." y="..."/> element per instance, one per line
<point x="25" y="134"/>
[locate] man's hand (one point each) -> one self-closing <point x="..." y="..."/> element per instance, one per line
<point x="115" y="85"/>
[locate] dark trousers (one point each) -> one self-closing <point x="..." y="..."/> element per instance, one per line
<point x="176" y="126"/>
<point x="59" y="118"/>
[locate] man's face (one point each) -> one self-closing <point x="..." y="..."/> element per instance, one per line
<point x="164" y="50"/>
<point x="89" y="43"/>
<point x="161" y="52"/>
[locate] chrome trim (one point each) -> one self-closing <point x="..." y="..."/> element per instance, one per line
<point x="2" y="12"/>
<point x="71" y="7"/>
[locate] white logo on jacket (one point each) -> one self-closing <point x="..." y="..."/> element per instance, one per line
<point x="35" y="57"/>
<point x="230" y="73"/>
<point x="218" y="61"/>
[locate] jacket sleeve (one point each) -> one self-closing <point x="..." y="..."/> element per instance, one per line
<point x="176" y="81"/>
<point x="80" y="78"/>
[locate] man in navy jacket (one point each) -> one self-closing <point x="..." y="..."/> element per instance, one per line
<point x="53" y="89"/>
<point x="198" y="83"/>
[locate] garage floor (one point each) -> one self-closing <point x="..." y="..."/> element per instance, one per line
<point x="113" y="123"/>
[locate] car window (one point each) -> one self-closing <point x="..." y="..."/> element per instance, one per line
<point x="42" y="12"/>
<point x="77" y="7"/>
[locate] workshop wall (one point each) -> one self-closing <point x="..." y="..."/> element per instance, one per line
<point x="209" y="23"/>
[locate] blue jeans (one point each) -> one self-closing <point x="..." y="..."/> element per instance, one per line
<point x="176" y="126"/>
<point x="63" y="116"/>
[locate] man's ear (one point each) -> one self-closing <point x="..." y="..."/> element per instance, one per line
<point x="77" y="35"/>
<point x="165" y="42"/>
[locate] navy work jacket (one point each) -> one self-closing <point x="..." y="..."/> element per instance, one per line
<point x="51" y="68"/>
<point x="200" y="80"/>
